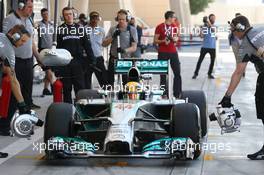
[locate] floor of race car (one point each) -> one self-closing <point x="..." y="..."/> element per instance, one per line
<point x="224" y="153"/>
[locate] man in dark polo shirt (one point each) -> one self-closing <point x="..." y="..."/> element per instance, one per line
<point x="166" y="38"/>
<point x="73" y="38"/>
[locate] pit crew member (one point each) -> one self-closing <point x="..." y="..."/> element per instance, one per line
<point x="251" y="50"/>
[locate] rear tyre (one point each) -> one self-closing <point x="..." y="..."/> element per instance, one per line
<point x="185" y="123"/>
<point x="88" y="94"/>
<point x="198" y="98"/>
<point x="59" y="122"/>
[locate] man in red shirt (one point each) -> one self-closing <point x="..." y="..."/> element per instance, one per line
<point x="166" y="38"/>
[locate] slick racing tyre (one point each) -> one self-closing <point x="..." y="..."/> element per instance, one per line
<point x="198" y="98"/>
<point x="59" y="122"/>
<point x="185" y="123"/>
<point x="88" y="94"/>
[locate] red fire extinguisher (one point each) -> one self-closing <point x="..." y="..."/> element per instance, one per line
<point x="57" y="91"/>
<point x="5" y="97"/>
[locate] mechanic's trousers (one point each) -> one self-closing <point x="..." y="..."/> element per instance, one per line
<point x="24" y="74"/>
<point x="176" y="68"/>
<point x="203" y="52"/>
<point x="72" y="75"/>
<point x="259" y="96"/>
<point x="111" y="73"/>
<point x="100" y="73"/>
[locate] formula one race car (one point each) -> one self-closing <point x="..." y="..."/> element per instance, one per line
<point x="132" y="122"/>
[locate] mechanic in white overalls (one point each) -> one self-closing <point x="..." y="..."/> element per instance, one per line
<point x="16" y="37"/>
<point x="251" y="49"/>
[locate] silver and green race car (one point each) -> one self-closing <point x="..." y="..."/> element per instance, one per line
<point x="141" y="124"/>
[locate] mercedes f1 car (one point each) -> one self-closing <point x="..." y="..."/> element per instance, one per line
<point x="138" y="123"/>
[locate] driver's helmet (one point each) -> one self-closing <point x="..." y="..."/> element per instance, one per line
<point x="133" y="90"/>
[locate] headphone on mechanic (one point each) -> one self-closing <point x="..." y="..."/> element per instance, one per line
<point x="238" y="27"/>
<point x="15" y="37"/>
<point x="240" y="24"/>
<point x="22" y="4"/>
<point x="125" y="12"/>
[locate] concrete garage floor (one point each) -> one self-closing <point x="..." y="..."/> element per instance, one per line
<point x="227" y="153"/>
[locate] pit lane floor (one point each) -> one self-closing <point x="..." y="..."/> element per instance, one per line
<point x="224" y="154"/>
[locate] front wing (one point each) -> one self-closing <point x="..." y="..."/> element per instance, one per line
<point x="165" y="148"/>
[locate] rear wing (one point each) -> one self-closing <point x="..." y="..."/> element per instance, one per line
<point x="122" y="66"/>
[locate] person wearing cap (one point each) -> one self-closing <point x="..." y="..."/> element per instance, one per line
<point x="251" y="49"/>
<point x="82" y="20"/>
<point x="97" y="35"/>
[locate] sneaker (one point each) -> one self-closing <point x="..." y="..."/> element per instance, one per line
<point x="3" y="155"/>
<point x="258" y="155"/>
<point x="34" y="106"/>
<point x="194" y="76"/>
<point x="46" y="92"/>
<point x="211" y="77"/>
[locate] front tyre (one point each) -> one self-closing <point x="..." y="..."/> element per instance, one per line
<point x="185" y="123"/>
